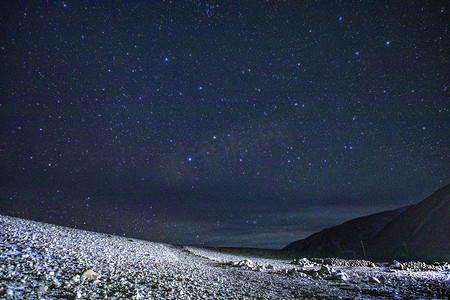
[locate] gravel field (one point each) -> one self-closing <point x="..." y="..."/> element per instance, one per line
<point x="43" y="261"/>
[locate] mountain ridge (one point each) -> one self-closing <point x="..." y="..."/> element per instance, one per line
<point x="418" y="231"/>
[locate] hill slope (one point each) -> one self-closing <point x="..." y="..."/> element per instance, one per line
<point x="344" y="240"/>
<point x="418" y="231"/>
<point x="44" y="261"/>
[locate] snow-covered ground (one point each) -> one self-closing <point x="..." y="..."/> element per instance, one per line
<point x="46" y="261"/>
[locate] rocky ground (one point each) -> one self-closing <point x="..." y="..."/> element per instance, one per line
<point x="50" y="262"/>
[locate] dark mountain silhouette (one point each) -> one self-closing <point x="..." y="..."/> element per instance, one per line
<point x="419" y="231"/>
<point x="344" y="240"/>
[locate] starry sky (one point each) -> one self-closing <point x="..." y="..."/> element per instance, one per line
<point x="227" y="123"/>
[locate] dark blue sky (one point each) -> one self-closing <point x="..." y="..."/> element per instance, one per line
<point x="224" y="123"/>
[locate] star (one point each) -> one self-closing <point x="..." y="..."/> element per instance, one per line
<point x="270" y="115"/>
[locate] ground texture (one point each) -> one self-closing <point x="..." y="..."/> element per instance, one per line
<point x="43" y="261"/>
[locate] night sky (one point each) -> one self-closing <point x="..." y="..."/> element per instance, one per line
<point x="237" y="123"/>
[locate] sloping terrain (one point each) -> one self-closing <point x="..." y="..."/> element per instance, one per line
<point x="43" y="261"/>
<point x="419" y="231"/>
<point x="344" y="240"/>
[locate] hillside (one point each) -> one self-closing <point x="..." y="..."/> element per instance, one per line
<point x="344" y="240"/>
<point x="44" y="261"/>
<point x="418" y="231"/>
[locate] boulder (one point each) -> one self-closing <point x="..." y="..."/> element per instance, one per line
<point x="90" y="275"/>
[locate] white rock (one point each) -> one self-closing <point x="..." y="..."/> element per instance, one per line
<point x="340" y="276"/>
<point x="43" y="289"/>
<point x="90" y="274"/>
<point x="396" y="264"/>
<point x="374" y="280"/>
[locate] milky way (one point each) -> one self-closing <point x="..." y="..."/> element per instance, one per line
<point x="214" y="123"/>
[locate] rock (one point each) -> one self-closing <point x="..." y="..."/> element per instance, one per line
<point x="348" y="262"/>
<point x="325" y="270"/>
<point x="90" y="275"/>
<point x="292" y="271"/>
<point x="374" y="280"/>
<point x="418" y="266"/>
<point x="56" y="282"/>
<point x="76" y="278"/>
<point x="397" y="265"/>
<point x="340" y="276"/>
<point x="259" y="268"/>
<point x="391" y="271"/>
<point x="317" y="260"/>
<point x="246" y="264"/>
<point x="304" y="262"/>
<point x="315" y="274"/>
<point x="42" y="289"/>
